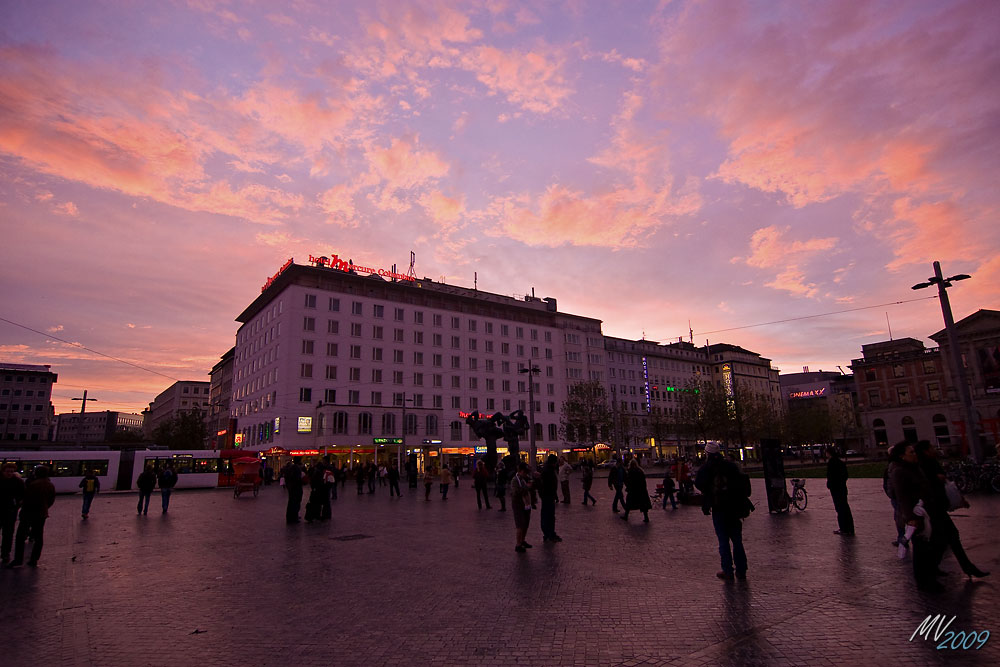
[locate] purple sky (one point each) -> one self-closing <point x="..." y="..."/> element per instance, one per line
<point x="727" y="163"/>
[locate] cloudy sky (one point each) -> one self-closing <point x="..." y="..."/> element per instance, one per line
<point x="647" y="163"/>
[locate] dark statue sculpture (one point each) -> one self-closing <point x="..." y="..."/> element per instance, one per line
<point x="489" y="429"/>
<point x="514" y="427"/>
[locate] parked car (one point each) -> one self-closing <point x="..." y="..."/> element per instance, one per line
<point x="852" y="452"/>
<point x="606" y="464"/>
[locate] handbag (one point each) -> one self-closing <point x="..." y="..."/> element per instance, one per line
<point x="955" y="498"/>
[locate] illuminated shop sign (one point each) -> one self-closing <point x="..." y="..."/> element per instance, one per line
<point x="645" y="377"/>
<point x="275" y="276"/>
<point x="336" y="263"/>
<point x="482" y="449"/>
<point x="305" y="424"/>
<point x="277" y="424"/>
<point x="304" y="452"/>
<point x="812" y="393"/>
<point x="727" y="380"/>
<point x="238" y="439"/>
<point x="387" y="441"/>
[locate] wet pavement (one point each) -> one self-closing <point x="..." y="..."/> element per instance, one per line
<point x="221" y="581"/>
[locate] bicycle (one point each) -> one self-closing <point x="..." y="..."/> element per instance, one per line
<point x="799" y="498"/>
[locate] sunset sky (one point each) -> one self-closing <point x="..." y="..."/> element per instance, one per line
<point x="645" y="163"/>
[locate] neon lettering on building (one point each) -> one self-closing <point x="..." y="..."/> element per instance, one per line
<point x="337" y="263"/>
<point x="812" y="393"/>
<point x="645" y="377"/>
<point x="271" y="280"/>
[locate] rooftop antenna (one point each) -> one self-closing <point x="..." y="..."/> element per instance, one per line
<point x="475" y="280"/>
<point x="413" y="259"/>
<point x="887" y="324"/>
<point x="690" y="333"/>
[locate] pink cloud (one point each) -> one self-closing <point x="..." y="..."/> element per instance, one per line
<point x="403" y="165"/>
<point x="442" y="208"/>
<point x="533" y="80"/>
<point x="769" y="248"/>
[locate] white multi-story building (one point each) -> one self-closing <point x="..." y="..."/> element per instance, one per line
<point x="75" y="427"/>
<point x="181" y="396"/>
<point x="327" y="358"/>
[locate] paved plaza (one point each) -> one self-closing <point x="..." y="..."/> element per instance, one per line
<point x="221" y="581"/>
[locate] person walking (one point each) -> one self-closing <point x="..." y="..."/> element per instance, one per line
<point x="455" y="471"/>
<point x="392" y="474"/>
<point x="445" y="481"/>
<point x="480" y="480"/>
<point x="564" y="472"/>
<point x="39" y="496"/>
<point x="900" y="542"/>
<point x="294" y="478"/>
<point x="372" y="475"/>
<point x="383" y="474"/>
<point x="682" y="470"/>
<point x="588" y="481"/>
<point x="638" y="494"/>
<point x="616" y="481"/>
<point x="724" y="495"/>
<point x="430" y="473"/>
<point x="549" y="496"/>
<point x="927" y="459"/>
<point x="331" y="479"/>
<point x="522" y="499"/>
<point x="90" y="485"/>
<point x="11" y="497"/>
<point x="836" y="481"/>
<point x="145" y="482"/>
<point x="167" y="481"/>
<point x="319" y="494"/>
<point x="501" y="482"/>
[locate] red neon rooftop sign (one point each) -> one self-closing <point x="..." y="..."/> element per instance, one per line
<point x="341" y="265"/>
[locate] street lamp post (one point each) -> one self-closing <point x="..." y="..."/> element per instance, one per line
<point x="958" y="374"/>
<point x="531" y="370"/>
<point x="83" y="410"/>
<point x="402" y="444"/>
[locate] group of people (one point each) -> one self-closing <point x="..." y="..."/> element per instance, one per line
<point x="146" y="482"/>
<point x="915" y="482"/>
<point x="26" y="504"/>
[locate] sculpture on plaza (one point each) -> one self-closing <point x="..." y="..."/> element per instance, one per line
<point x="514" y="426"/>
<point x="489" y="429"/>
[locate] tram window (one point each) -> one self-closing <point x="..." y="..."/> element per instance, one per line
<point x="63" y="468"/>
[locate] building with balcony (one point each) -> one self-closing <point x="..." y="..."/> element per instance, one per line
<point x="219" y="425"/>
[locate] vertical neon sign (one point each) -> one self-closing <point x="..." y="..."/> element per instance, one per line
<point x="645" y="377"/>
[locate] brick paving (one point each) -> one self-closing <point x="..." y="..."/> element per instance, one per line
<point x="221" y="581"/>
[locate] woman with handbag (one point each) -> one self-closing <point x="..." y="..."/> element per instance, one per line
<point x="934" y="472"/>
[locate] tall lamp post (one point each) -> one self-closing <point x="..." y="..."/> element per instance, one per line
<point x="958" y="375"/>
<point x="402" y="441"/>
<point x="83" y="410"/>
<point x="531" y="370"/>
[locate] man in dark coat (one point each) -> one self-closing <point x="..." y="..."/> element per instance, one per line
<point x="549" y="496"/>
<point x="168" y="480"/>
<point x="836" y="481"/>
<point x="638" y="494"/>
<point x="145" y="482"/>
<point x="39" y="495"/>
<point x="616" y="481"/>
<point x="293" y="485"/>
<point x="11" y="497"/>
<point x="393" y="475"/>
<point x="721" y="484"/>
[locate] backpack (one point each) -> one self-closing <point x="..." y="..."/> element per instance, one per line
<point x="89" y="485"/>
<point x="731" y="491"/>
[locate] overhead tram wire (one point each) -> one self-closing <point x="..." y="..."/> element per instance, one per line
<point x="807" y="317"/>
<point x="84" y="347"/>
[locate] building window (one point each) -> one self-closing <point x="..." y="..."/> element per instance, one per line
<point x="418" y="337"/>
<point x="334" y="305"/>
<point x="456" y="382"/>
<point x="431" y="425"/>
<point x="355" y="352"/>
<point x="356" y="308"/>
<point x="331" y="349"/>
<point x="354" y="397"/>
<point x="874" y="399"/>
<point x="378" y="311"/>
<point x="398" y="314"/>
<point x="488" y="327"/>
<point x="354" y="374"/>
<point x="933" y="391"/>
<point x="410" y="426"/>
<point x="903" y="395"/>
<point x="456" y="430"/>
<point x="418" y="317"/>
<point x="438" y="401"/>
<point x="333" y="326"/>
<point x="418" y="358"/>
<point x="929" y="367"/>
<point x="456" y="402"/>
<point x="898" y="370"/>
<point x="456" y="342"/>
<point x="377" y="375"/>
<point x="397" y="377"/>
<point x="356" y="329"/>
<point x="307" y="347"/>
<point x="397" y="356"/>
<point x="388" y="423"/>
<point x="436" y="320"/>
<point x="309" y="324"/>
<point x="436" y="340"/>
<point x="456" y="323"/>
<point x="364" y="423"/>
<point x="305" y="394"/>
<point x="330" y="396"/>
<point x="909" y="429"/>
<point x="553" y="432"/>
<point x="376" y="354"/>
<point x="397" y="335"/>
<point x="437" y="360"/>
<point x="489" y="365"/>
<point x="941" y="433"/>
<point x="377" y="333"/>
<point x="339" y="423"/>
<point x="310" y="300"/>
<point x="306" y="370"/>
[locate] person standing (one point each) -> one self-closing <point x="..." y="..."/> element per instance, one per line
<point x="145" y="482"/>
<point x="480" y="481"/>
<point x="39" y="496"/>
<point x="564" y="472"/>
<point x="393" y="476"/>
<point x="90" y="485"/>
<point x="501" y="482"/>
<point x="319" y="494"/>
<point x="616" y="481"/>
<point x="11" y="497"/>
<point x="683" y="473"/>
<point x="723" y="495"/>
<point x="941" y="520"/>
<point x="361" y="474"/>
<point x="669" y="488"/>
<point x="293" y="477"/>
<point x="836" y="481"/>
<point x="638" y="494"/>
<point x="167" y="481"/>
<point x="588" y="481"/>
<point x="445" y="481"/>
<point x="372" y="475"/>
<point x="917" y="507"/>
<point x="900" y="540"/>
<point x="331" y="479"/>
<point x="522" y="498"/>
<point x="429" y="474"/>
<point x="550" y="496"/>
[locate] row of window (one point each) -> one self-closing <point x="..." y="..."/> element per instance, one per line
<point x="437" y="320"/>
<point x="309" y="347"/>
<point x="899" y="370"/>
<point x="24" y="422"/>
<point x="27" y="407"/>
<point x="903" y="397"/>
<point x="28" y="392"/>
<point x="417" y="400"/>
<point x="21" y="378"/>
